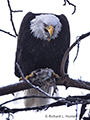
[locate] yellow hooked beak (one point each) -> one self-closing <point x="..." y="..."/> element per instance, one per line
<point x="50" y="30"/>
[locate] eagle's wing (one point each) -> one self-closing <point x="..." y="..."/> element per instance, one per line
<point x="23" y="41"/>
<point x="65" y="28"/>
<point x="64" y="36"/>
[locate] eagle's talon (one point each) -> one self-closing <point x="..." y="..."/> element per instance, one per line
<point x="56" y="75"/>
<point x="20" y="78"/>
<point x="27" y="76"/>
<point x="31" y="75"/>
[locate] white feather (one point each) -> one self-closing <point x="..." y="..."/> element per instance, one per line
<point x="37" y="25"/>
<point x="32" y="102"/>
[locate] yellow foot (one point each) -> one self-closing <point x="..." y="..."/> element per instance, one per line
<point x="56" y="75"/>
<point x="20" y="78"/>
<point x="27" y="77"/>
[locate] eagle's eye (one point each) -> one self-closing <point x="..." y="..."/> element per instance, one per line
<point x="45" y="30"/>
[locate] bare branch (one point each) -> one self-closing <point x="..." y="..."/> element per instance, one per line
<point x="34" y="96"/>
<point x="83" y="110"/>
<point x="11" y="17"/>
<point x="15" y="11"/>
<point x="69" y="101"/>
<point x="7" y="33"/>
<point x="69" y="82"/>
<point x="70" y="4"/>
<point x="69" y="49"/>
<point x="78" y="44"/>
<point x="10" y="89"/>
<point x="65" y="80"/>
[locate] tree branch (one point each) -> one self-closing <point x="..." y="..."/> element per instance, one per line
<point x="70" y="4"/>
<point x="7" y="33"/>
<point x="34" y="96"/>
<point x="65" y="81"/>
<point x="11" y="17"/>
<point x="69" y="101"/>
<point x="69" y="49"/>
<point x="78" y="44"/>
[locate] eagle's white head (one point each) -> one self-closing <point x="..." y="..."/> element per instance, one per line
<point x="45" y="26"/>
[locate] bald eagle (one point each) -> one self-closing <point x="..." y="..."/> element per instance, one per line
<point x="42" y="41"/>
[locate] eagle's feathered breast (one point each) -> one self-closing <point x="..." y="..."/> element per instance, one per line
<point x="34" y="50"/>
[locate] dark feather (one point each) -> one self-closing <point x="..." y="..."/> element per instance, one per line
<point x="33" y="53"/>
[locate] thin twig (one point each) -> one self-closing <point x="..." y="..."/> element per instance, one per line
<point x="70" y="4"/>
<point x="76" y="111"/>
<point x="11" y="17"/>
<point x="7" y="33"/>
<point x="15" y="11"/>
<point x="78" y="44"/>
<point x="33" y="96"/>
<point x="69" y="101"/>
<point x="69" y="49"/>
